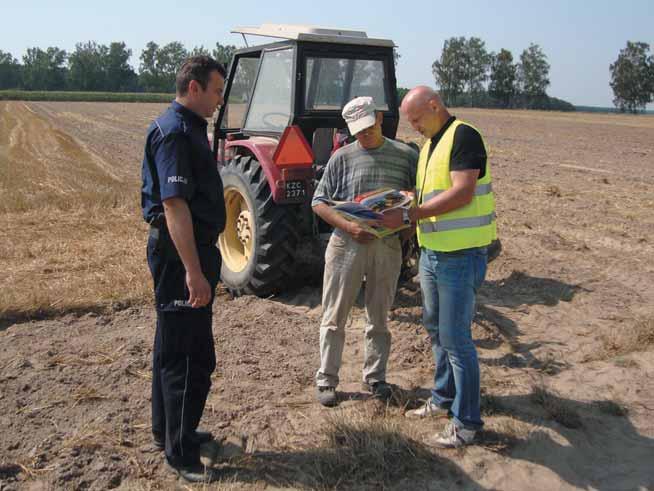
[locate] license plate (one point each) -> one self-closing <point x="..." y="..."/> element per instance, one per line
<point x="295" y="189"/>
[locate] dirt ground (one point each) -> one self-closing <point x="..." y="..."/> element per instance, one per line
<point x="564" y="326"/>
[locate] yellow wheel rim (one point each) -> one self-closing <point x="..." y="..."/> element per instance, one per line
<point x="237" y="241"/>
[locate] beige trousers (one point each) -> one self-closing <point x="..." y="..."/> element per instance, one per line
<point x="346" y="264"/>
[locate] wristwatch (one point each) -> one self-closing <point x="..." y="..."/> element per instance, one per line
<point x="406" y="220"/>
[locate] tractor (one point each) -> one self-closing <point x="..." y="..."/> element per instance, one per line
<point x="279" y="124"/>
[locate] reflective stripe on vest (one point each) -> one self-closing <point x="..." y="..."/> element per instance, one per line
<point x="480" y="190"/>
<point x="456" y="223"/>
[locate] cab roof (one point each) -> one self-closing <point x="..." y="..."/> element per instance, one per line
<point x="300" y="32"/>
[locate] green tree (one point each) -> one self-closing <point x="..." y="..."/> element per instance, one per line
<point x="159" y="66"/>
<point x="401" y="92"/>
<point x="476" y="61"/>
<point x="10" y="71"/>
<point x="120" y="76"/>
<point x="44" y="70"/>
<point x="199" y="51"/>
<point x="223" y="54"/>
<point x="86" y="67"/>
<point x="632" y="77"/>
<point x="148" y="71"/>
<point x="533" y="74"/>
<point x="449" y="70"/>
<point x="170" y="59"/>
<point x="502" y="77"/>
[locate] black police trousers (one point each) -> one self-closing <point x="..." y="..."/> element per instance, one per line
<point x="184" y="357"/>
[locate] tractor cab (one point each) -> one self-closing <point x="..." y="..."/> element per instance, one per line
<point x="280" y="123"/>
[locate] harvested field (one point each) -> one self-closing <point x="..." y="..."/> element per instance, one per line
<point x="564" y="324"/>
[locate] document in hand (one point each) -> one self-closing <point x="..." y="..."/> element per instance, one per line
<point x="367" y="209"/>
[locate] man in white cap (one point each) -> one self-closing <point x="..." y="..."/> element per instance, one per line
<point x="369" y="163"/>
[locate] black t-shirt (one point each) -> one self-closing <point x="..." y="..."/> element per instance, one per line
<point x="468" y="150"/>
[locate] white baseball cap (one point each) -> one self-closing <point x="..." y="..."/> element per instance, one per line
<point x="359" y="114"/>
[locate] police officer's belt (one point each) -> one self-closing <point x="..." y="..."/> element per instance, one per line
<point x="158" y="229"/>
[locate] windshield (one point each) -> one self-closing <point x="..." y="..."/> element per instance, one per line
<point x="333" y="82"/>
<point x="270" y="109"/>
<point x="239" y="93"/>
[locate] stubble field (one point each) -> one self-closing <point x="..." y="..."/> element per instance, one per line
<point x="564" y="325"/>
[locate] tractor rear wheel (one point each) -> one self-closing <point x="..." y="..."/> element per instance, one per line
<point x="259" y="243"/>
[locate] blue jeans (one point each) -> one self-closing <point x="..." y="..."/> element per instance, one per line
<point x="449" y="282"/>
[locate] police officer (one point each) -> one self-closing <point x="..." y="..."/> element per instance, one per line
<point x="182" y="200"/>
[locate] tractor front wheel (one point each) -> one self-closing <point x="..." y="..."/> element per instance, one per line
<point x="260" y="238"/>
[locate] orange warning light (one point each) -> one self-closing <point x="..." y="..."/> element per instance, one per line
<point x="293" y="149"/>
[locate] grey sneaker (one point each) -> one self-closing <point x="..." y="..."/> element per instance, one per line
<point x="326" y="396"/>
<point x="428" y="410"/>
<point x="380" y="390"/>
<point x="452" y="437"/>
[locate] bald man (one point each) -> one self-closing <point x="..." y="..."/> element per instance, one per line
<point x="455" y="220"/>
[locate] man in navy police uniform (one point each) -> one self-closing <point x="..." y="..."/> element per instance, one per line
<point x="182" y="200"/>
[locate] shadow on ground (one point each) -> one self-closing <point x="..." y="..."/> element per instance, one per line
<point x="594" y="431"/>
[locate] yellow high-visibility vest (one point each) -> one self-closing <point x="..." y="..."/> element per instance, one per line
<point x="472" y="225"/>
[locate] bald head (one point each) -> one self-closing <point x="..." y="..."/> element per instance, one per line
<point x="421" y="96"/>
<point x="424" y="110"/>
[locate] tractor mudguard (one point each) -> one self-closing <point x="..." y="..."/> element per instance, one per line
<point x="287" y="185"/>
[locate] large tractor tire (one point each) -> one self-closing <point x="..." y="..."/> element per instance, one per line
<point x="260" y="239"/>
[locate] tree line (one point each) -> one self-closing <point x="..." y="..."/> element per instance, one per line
<point x="466" y="73"/>
<point x="469" y="75"/>
<point x="97" y="67"/>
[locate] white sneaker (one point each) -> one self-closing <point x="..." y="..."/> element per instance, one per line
<point x="452" y="437"/>
<point x="428" y="410"/>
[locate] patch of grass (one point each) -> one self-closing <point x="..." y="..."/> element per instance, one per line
<point x="502" y="434"/>
<point x="412" y="398"/>
<point x="362" y="449"/>
<point x="627" y="338"/>
<point x="103" y="357"/>
<point x="370" y="449"/>
<point x="557" y="409"/>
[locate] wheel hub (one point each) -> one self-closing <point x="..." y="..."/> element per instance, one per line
<point x="237" y="240"/>
<point x="243" y="228"/>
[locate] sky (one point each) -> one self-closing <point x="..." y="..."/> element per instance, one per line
<point x="580" y="38"/>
